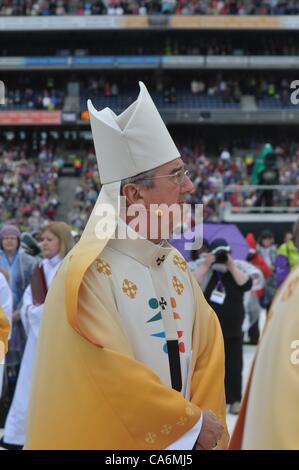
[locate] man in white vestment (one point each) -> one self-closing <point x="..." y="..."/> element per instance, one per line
<point x="138" y="360"/>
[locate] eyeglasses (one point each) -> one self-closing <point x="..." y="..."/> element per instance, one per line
<point x="12" y="238"/>
<point x="177" y="177"/>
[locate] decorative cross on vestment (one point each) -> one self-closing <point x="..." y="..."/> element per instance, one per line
<point x="162" y="303"/>
<point x="159" y="261"/>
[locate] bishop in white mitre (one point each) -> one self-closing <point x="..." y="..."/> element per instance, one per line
<point x="130" y="355"/>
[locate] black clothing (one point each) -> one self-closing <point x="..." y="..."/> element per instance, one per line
<point x="231" y="312"/>
<point x="233" y="368"/>
<point x="254" y="333"/>
<point x="231" y="315"/>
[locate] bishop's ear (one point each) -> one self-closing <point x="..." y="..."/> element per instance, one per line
<point x="134" y="194"/>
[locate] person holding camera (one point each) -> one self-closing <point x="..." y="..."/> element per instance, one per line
<point x="224" y="285"/>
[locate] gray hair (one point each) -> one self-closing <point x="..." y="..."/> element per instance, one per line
<point x="146" y="179"/>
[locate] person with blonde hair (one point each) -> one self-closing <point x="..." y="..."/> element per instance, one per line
<point x="56" y="240"/>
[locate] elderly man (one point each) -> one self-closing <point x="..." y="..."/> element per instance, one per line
<point x="130" y="354"/>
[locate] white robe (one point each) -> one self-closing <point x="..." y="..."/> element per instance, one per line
<point x="152" y="292"/>
<point x="6" y="302"/>
<point x="15" y="425"/>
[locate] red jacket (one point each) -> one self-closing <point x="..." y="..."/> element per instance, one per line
<point x="258" y="261"/>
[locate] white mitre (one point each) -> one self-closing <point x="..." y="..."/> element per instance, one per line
<point x="126" y="145"/>
<point x="135" y="141"/>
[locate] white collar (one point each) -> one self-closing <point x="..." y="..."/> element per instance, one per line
<point x="54" y="261"/>
<point x="141" y="249"/>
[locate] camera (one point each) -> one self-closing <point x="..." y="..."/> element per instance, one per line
<point x="221" y="256"/>
<point x="220" y="249"/>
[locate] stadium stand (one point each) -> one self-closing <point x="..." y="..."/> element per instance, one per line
<point x="222" y="90"/>
<point x="28" y="186"/>
<point x="144" y="7"/>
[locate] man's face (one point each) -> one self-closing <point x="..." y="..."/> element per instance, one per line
<point x="167" y="190"/>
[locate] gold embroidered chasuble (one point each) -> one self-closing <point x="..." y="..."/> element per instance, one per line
<point x="102" y="389"/>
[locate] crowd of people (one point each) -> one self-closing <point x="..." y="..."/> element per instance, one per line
<point x="31" y="99"/>
<point x="228" y="91"/>
<point x="41" y="93"/>
<point x="147" y="7"/>
<point x="85" y="194"/>
<point x="232" y="88"/>
<point x="211" y="176"/>
<point x="229" y="87"/>
<point x="28" y="186"/>
<point x="168" y="89"/>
